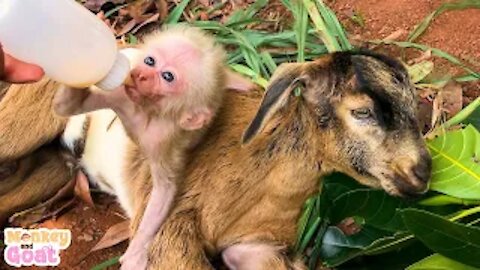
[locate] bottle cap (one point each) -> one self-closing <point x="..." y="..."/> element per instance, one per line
<point x="118" y="74"/>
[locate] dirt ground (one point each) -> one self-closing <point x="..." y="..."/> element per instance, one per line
<point x="456" y="32"/>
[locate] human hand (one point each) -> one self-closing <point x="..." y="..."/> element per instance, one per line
<point x="13" y="70"/>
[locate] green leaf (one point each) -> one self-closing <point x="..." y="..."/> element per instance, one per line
<point x="300" y="27"/>
<point x="453" y="240"/>
<point x="420" y="28"/>
<point x="246" y="14"/>
<point x="456" y="165"/>
<point x="334" y="26"/>
<point x="337" y="248"/>
<point x="469" y="114"/>
<point x="474" y="117"/>
<point x="106" y="264"/>
<point x="389" y="243"/>
<point x="324" y="33"/>
<point x="420" y="70"/>
<point x="439" y="262"/>
<point x="176" y="13"/>
<point x="377" y="208"/>
<point x="256" y="78"/>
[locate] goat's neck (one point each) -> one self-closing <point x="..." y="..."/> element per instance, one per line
<point x="289" y="155"/>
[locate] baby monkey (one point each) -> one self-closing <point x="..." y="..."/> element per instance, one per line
<point x="178" y="85"/>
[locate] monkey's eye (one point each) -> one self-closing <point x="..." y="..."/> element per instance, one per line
<point x="149" y="61"/>
<point x="168" y="76"/>
<point x="362" y="113"/>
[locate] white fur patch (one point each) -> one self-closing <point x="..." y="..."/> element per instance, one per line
<point x="73" y="131"/>
<point x="105" y="152"/>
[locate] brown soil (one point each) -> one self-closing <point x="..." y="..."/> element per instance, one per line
<point x="455" y="32"/>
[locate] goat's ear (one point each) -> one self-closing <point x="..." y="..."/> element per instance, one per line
<point x="283" y="82"/>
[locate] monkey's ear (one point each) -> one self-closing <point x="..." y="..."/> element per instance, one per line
<point x="196" y="119"/>
<point x="237" y="82"/>
<point x="284" y="81"/>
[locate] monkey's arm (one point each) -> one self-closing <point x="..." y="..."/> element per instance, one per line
<point x="27" y="120"/>
<point x="69" y="101"/>
<point x="156" y="211"/>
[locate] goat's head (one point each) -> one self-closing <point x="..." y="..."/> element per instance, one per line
<point x="361" y="114"/>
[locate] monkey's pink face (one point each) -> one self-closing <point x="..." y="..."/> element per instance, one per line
<point x="164" y="71"/>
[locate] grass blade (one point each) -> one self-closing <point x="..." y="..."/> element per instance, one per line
<point x="435" y="51"/>
<point x="321" y="28"/>
<point x="334" y="26"/>
<point x="107" y="263"/>
<point x="176" y="13"/>
<point x="420" y="28"/>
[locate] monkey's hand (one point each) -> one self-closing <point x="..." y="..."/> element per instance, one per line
<point x="69" y="101"/>
<point x="134" y="259"/>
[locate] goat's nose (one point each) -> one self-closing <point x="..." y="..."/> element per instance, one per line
<point x="423" y="169"/>
<point x="422" y="172"/>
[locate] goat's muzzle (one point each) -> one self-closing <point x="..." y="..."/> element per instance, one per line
<point x="412" y="178"/>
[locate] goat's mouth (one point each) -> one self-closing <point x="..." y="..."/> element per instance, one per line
<point x="408" y="185"/>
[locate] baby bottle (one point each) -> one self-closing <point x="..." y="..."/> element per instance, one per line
<point x="70" y="43"/>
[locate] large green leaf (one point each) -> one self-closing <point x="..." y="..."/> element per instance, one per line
<point x="375" y="206"/>
<point x="456" y="165"/>
<point x="439" y="262"/>
<point x="337" y="248"/>
<point x="474" y="118"/>
<point x="453" y="240"/>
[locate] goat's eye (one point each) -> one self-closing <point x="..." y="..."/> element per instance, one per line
<point x="362" y="113"/>
<point x="149" y="61"/>
<point x="168" y="76"/>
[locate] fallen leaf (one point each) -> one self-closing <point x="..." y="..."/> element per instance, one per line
<point x="86" y="237"/>
<point x="44" y="210"/>
<point x="162" y="8"/>
<point x="452" y="98"/>
<point x="349" y="227"/>
<point x="149" y="20"/>
<point x="424" y="115"/>
<point x="205" y="3"/>
<point x="82" y="189"/>
<point x="114" y="235"/>
<point x="436" y="111"/>
<point x="395" y="35"/>
<point x="420" y="70"/>
<point x="426" y="55"/>
<point x="138" y="8"/>
<point x="127" y="27"/>
<point x="38" y="214"/>
<point x="94" y="5"/>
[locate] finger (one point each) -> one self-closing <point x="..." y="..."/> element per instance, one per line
<point x="2" y="63"/>
<point x="16" y="71"/>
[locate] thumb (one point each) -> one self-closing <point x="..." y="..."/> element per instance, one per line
<point x="15" y="71"/>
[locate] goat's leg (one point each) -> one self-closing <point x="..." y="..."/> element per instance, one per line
<point x="258" y="256"/>
<point x="47" y="175"/>
<point x="27" y="120"/>
<point x="178" y="245"/>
